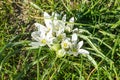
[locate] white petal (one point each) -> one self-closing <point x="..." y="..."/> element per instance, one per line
<point x="68" y="29"/>
<point x="35" y="36"/>
<point x="40" y="27"/>
<point x="49" y="38"/>
<point x="46" y="15"/>
<point x="83" y="51"/>
<point x="80" y="44"/>
<point x="42" y="34"/>
<point x="75" y="53"/>
<point x="48" y="20"/>
<point x="42" y="44"/>
<point x="64" y="18"/>
<point x="71" y="23"/>
<point x="67" y="40"/>
<point x="71" y="20"/>
<point x="74" y="37"/>
<point x="35" y="44"/>
<point x="76" y="30"/>
<point x="59" y="32"/>
<point x="61" y="24"/>
<point x="49" y="34"/>
<point x="55" y="15"/>
<point x="55" y="21"/>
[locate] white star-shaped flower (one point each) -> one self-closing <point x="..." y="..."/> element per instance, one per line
<point x="76" y="46"/>
<point x="66" y="44"/>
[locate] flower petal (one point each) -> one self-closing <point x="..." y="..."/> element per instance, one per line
<point x="74" y="37"/>
<point x="35" y="44"/>
<point x="49" y="34"/>
<point x="71" y="20"/>
<point x="40" y="27"/>
<point x="75" y="54"/>
<point x="64" y="18"/>
<point x="76" y="30"/>
<point x="55" y="15"/>
<point x="35" y="35"/>
<point x="83" y="51"/>
<point x="70" y="25"/>
<point x="80" y="44"/>
<point x="47" y="19"/>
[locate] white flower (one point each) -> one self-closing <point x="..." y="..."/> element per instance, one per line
<point x="53" y="24"/>
<point x="77" y="50"/>
<point x="66" y="44"/>
<point x="59" y="28"/>
<point x="53" y="35"/>
<point x="81" y="51"/>
<point x="74" y="37"/>
<point x="48" y="23"/>
<point x="41" y="39"/>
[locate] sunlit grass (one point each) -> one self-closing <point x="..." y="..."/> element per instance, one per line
<point x="98" y="20"/>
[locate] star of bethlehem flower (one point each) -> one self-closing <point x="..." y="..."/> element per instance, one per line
<point x="66" y="44"/>
<point x="41" y="39"/>
<point x="76" y="46"/>
<point x="53" y="34"/>
<point x="72" y="46"/>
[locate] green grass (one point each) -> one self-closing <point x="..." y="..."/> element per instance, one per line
<point x="98" y="19"/>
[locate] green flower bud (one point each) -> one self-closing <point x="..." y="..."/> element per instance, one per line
<point x="55" y="47"/>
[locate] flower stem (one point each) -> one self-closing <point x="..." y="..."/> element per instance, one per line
<point x="38" y="68"/>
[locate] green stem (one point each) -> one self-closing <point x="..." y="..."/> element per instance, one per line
<point x="38" y="68"/>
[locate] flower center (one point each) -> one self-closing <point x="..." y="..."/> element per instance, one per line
<point x="49" y="29"/>
<point x="43" y="41"/>
<point x="56" y="28"/>
<point x="74" y="50"/>
<point x="60" y="37"/>
<point x="65" y="45"/>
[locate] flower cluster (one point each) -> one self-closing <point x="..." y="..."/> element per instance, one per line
<point x="58" y="36"/>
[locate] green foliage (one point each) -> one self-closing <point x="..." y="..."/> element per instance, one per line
<point x="98" y="20"/>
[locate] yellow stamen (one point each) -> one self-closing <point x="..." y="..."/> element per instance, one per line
<point x="43" y="41"/>
<point x="65" y="45"/>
